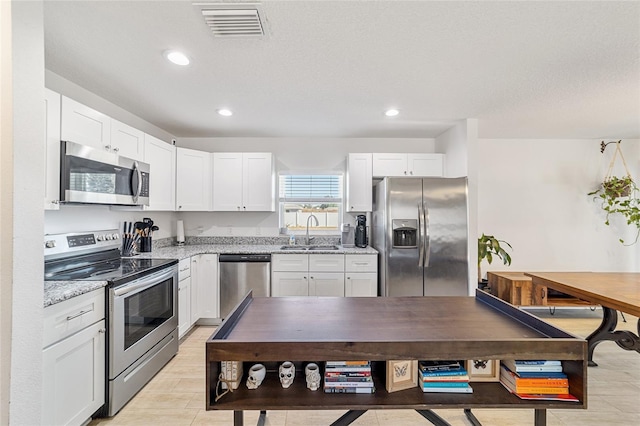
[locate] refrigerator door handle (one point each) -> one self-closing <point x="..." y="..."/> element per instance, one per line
<point x="420" y="237"/>
<point x="427" y="239"/>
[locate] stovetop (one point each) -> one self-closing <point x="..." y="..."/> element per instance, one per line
<point x="94" y="256"/>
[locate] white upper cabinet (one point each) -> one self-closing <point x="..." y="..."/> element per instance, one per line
<point x="243" y="181"/>
<point x="85" y="125"/>
<point x="126" y="140"/>
<point x="359" y="182"/>
<point x="161" y="156"/>
<point x="425" y="164"/>
<point x="52" y="150"/>
<point x="193" y="180"/>
<point x="400" y="164"/>
<point x="227" y="181"/>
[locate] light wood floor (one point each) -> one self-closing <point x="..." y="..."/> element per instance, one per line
<point x="175" y="396"/>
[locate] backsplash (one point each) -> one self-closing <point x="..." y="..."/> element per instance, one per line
<point x="282" y="240"/>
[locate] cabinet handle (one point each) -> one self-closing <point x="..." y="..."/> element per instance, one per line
<point x="360" y="263"/>
<point x="405" y="172"/>
<point x="411" y="172"/>
<point x="116" y="149"/>
<point x="107" y="147"/>
<point x="351" y="207"/>
<point x="70" y="317"/>
<point x="348" y="278"/>
<point x="102" y="330"/>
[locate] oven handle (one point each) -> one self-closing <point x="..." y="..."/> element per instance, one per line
<point x="143" y="283"/>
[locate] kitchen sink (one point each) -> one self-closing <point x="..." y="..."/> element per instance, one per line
<point x="308" y="248"/>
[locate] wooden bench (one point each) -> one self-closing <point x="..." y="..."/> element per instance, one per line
<point x="517" y="289"/>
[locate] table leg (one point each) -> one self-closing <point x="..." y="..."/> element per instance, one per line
<point x="263" y="418"/>
<point x="606" y="331"/>
<point x="433" y="418"/>
<point x="348" y="417"/>
<point x="540" y="417"/>
<point x="237" y="418"/>
<point x="473" y="419"/>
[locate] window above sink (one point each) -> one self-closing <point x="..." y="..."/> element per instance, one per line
<point x="301" y="195"/>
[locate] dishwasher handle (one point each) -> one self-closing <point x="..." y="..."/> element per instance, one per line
<point x="244" y="258"/>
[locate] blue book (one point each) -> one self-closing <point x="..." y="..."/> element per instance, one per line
<point x="459" y="372"/>
<point x="445" y="384"/>
<point x="541" y="374"/>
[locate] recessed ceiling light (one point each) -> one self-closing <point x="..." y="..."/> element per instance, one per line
<point x="391" y="112"/>
<point x="225" y="112"/>
<point x="177" y="58"/>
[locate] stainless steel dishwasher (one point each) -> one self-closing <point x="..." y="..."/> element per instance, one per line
<point x="240" y="273"/>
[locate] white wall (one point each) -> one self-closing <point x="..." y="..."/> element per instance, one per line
<point x="27" y="70"/>
<point x="533" y="194"/>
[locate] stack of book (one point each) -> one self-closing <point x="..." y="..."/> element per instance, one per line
<point x="542" y="379"/>
<point x="443" y="376"/>
<point x="348" y="377"/>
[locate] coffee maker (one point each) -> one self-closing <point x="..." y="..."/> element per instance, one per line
<point x="361" y="239"/>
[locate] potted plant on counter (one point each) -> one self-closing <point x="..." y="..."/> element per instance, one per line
<point x="488" y="247"/>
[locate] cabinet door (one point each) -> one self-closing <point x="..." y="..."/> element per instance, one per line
<point x="193" y="180"/>
<point x="289" y="284"/>
<point x="208" y="286"/>
<point x="361" y="262"/>
<point x="162" y="184"/>
<point x="52" y="150"/>
<point x="84" y="125"/>
<point x="326" y="284"/>
<point x="290" y="262"/>
<point x="258" y="182"/>
<point x="360" y="284"/>
<point x="359" y="183"/>
<point x="73" y="377"/>
<point x="389" y="164"/>
<point x="227" y="181"/>
<point x="126" y="140"/>
<point x="194" y="309"/>
<point x="184" y="306"/>
<point x="326" y="262"/>
<point x="425" y="164"/>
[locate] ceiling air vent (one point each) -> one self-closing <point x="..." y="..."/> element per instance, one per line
<point x="234" y="23"/>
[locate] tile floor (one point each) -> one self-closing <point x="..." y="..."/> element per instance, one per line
<point x="175" y="396"/>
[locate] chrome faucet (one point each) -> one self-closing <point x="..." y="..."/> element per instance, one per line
<point x="317" y="224"/>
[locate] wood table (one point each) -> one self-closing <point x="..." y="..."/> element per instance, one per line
<point x="614" y="291"/>
<point x="315" y="329"/>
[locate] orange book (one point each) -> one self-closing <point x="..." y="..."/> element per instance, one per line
<point x="531" y="381"/>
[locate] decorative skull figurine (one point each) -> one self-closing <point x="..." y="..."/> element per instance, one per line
<point x="256" y="375"/>
<point x="287" y="373"/>
<point x="312" y="374"/>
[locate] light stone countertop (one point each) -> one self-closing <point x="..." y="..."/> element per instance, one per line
<point x="59" y="291"/>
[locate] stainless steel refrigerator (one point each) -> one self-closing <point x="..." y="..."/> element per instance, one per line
<point x="420" y="231"/>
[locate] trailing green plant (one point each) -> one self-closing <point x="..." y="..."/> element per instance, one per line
<point x="488" y="247"/>
<point x="619" y="196"/>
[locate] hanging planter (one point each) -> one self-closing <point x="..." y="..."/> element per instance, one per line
<point x="619" y="195"/>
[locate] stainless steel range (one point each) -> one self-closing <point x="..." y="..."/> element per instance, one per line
<point x="142" y="306"/>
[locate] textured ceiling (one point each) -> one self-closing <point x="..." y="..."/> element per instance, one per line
<point x="329" y="68"/>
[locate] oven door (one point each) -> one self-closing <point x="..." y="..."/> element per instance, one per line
<point x="93" y="176"/>
<point x="141" y="314"/>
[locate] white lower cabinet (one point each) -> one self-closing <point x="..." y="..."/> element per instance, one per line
<point x="361" y="275"/>
<point x="284" y="283"/>
<point x="324" y="275"/>
<point x="205" y="287"/>
<point x="73" y="358"/>
<point x="184" y="297"/>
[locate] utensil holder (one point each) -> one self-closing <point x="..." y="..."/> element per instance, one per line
<point x="145" y="244"/>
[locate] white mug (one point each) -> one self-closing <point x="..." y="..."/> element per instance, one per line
<point x="287" y="373"/>
<point x="257" y="373"/>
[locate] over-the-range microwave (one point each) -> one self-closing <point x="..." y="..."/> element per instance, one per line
<point x="93" y="176"/>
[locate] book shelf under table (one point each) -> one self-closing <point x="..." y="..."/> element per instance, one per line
<point x="273" y="330"/>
